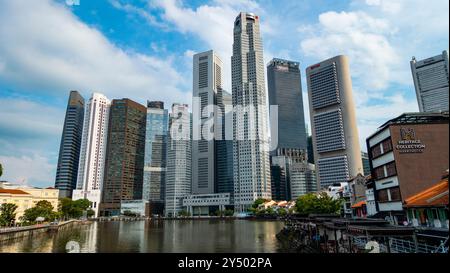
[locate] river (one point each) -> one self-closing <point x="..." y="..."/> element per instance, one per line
<point x="157" y="236"/>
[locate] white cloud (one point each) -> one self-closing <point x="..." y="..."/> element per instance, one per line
<point x="32" y="170"/>
<point x="57" y="53"/>
<point x="361" y="37"/>
<point x="212" y="23"/>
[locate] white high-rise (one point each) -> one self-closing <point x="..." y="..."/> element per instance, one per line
<point x="250" y="128"/>
<point x="207" y="81"/>
<point x="333" y="121"/>
<point x="431" y="80"/>
<point x="178" y="170"/>
<point x="93" y="151"/>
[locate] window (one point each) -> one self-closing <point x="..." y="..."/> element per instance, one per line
<point x="387" y="145"/>
<point x="391" y="170"/>
<point x="395" y="194"/>
<point x="379" y="172"/>
<point x="376" y="151"/>
<point x="383" y="196"/>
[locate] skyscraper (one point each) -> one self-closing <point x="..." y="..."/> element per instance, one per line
<point x="431" y="80"/>
<point x="93" y="151"/>
<point x="179" y="148"/>
<point x="224" y="146"/>
<point x="155" y="156"/>
<point x="366" y="163"/>
<point x="337" y="151"/>
<point x="284" y="84"/>
<point x="251" y="164"/>
<point x="207" y="81"/>
<point x="69" y="150"/>
<point x="302" y="179"/>
<point x="285" y="91"/>
<point x="124" y="155"/>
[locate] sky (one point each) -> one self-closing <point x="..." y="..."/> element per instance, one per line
<point x="143" y="50"/>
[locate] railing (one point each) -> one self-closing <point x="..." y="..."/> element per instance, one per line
<point x="15" y="229"/>
<point x="402" y="246"/>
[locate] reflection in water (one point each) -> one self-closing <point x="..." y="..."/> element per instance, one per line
<point x="158" y="236"/>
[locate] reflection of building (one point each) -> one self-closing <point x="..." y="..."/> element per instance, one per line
<point x="69" y="150"/>
<point x="250" y="131"/>
<point x="155" y="159"/>
<point x="337" y="152"/>
<point x="93" y="151"/>
<point x="431" y="80"/>
<point x="429" y="207"/>
<point x="178" y="177"/>
<point x="124" y="155"/>
<point x="27" y="197"/>
<point x="407" y="154"/>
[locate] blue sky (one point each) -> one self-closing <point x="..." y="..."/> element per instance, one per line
<point x="143" y="50"/>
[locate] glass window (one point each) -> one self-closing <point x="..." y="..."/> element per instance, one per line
<point x="395" y="194"/>
<point x="376" y="151"/>
<point x="383" y="196"/>
<point x="391" y="170"/>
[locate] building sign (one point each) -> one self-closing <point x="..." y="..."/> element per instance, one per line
<point x="409" y="143"/>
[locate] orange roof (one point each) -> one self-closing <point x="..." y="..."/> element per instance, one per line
<point x="436" y="195"/>
<point x="359" y="204"/>
<point x="10" y="191"/>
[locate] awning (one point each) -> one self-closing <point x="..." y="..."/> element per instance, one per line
<point x="359" y="204"/>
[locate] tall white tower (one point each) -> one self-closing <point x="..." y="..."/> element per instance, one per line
<point x="250" y="129"/>
<point x="207" y="81"/>
<point x="179" y="172"/>
<point x="333" y="121"/>
<point x="93" y="151"/>
<point x="431" y="80"/>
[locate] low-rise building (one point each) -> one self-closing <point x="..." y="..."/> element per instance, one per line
<point x="206" y="204"/>
<point x="429" y="208"/>
<point x="408" y="154"/>
<point x="26" y="197"/>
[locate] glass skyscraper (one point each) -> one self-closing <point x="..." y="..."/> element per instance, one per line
<point x="124" y="155"/>
<point x="69" y="150"/>
<point x="155" y="155"/>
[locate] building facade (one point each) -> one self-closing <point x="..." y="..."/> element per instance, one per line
<point x="69" y="149"/>
<point x="251" y="164"/>
<point x="302" y="179"/>
<point x="207" y="81"/>
<point x="285" y="91"/>
<point x="179" y="158"/>
<point x="124" y="165"/>
<point x="365" y="162"/>
<point x="27" y="197"/>
<point x="93" y="151"/>
<point x="407" y="155"/>
<point x="337" y="151"/>
<point x="431" y="80"/>
<point x="155" y="156"/>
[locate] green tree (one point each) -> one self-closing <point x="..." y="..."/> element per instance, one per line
<point x="1" y="169"/>
<point x="43" y="209"/>
<point x="184" y="213"/>
<point x="320" y="204"/>
<point x="282" y="212"/>
<point x="229" y="212"/>
<point x="7" y="214"/>
<point x="258" y="202"/>
<point x="74" y="209"/>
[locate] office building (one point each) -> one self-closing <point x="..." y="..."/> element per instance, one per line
<point x="302" y="177"/>
<point x="179" y="150"/>
<point x="365" y="162"/>
<point x="69" y="149"/>
<point x="431" y="80"/>
<point x="285" y="91"/>
<point x="155" y="156"/>
<point x="251" y="164"/>
<point x="407" y="154"/>
<point x="310" y="149"/>
<point x="124" y="155"/>
<point x="337" y="151"/>
<point x="93" y="151"/>
<point x="207" y="80"/>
